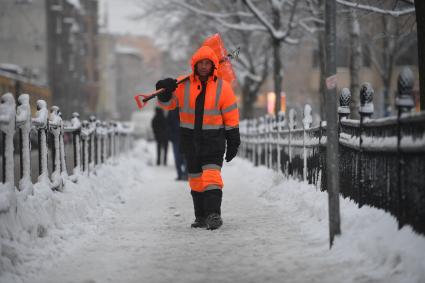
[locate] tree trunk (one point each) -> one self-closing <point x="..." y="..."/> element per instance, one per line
<point x="248" y="100"/>
<point x="420" y="23"/>
<point x="277" y="61"/>
<point x="322" y="62"/>
<point x="389" y="51"/>
<point x="277" y="74"/>
<point x="355" y="64"/>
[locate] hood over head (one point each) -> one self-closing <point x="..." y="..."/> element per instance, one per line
<point x="204" y="52"/>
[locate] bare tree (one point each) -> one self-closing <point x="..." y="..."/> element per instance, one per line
<point x="283" y="21"/>
<point x="195" y="20"/>
<point x="400" y="8"/>
<point x="385" y="46"/>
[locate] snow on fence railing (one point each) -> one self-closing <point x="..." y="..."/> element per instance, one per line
<point x="381" y="161"/>
<point x="85" y="145"/>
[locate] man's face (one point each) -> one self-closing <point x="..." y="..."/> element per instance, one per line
<point x="204" y="67"/>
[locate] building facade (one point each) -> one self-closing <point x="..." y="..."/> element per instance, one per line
<point x="55" y="43"/>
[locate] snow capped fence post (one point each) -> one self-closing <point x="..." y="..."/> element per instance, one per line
<point x="256" y="135"/>
<point x="23" y="122"/>
<point x="76" y="137"/>
<point x="274" y="143"/>
<point x="117" y="140"/>
<point x="307" y="121"/>
<point x="344" y="104"/>
<point x="262" y="146"/>
<point x="404" y="103"/>
<point x="366" y="111"/>
<point x="280" y="127"/>
<point x="7" y="127"/>
<point x="113" y="138"/>
<point x="269" y="140"/>
<point x="291" y="125"/>
<point x="55" y="129"/>
<point x="92" y="150"/>
<point x="104" y="142"/>
<point x="98" y="139"/>
<point x="40" y="122"/>
<point x="64" y="171"/>
<point x="85" y="136"/>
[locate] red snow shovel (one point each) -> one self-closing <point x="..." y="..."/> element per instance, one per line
<point x="225" y="70"/>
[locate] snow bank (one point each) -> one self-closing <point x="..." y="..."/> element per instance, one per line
<point x="368" y="234"/>
<point x="47" y="224"/>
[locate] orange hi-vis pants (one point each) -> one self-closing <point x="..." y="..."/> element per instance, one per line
<point x="204" y="174"/>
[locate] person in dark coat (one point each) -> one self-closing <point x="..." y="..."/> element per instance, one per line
<point x="159" y="126"/>
<point x="173" y="122"/>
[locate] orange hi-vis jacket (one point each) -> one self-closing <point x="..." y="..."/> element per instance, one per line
<point x="205" y="128"/>
<point x="220" y="107"/>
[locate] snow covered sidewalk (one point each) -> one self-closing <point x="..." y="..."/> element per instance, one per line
<point x="275" y="230"/>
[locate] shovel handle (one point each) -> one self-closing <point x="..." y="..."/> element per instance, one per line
<point x="142" y="99"/>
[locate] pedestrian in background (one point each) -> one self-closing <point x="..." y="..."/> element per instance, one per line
<point x="159" y="126"/>
<point x="173" y="122"/>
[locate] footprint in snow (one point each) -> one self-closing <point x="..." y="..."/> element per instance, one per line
<point x="176" y="214"/>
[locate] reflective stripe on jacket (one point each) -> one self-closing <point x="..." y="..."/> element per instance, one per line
<point x="220" y="111"/>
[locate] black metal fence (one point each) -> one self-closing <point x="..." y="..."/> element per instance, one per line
<point x="381" y="161"/>
<point x="47" y="149"/>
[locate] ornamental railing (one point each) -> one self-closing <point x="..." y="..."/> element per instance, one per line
<point x="381" y="161"/>
<point x="45" y="147"/>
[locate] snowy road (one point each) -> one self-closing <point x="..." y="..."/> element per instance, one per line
<point x="274" y="230"/>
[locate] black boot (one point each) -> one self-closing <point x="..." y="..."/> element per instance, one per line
<point x="212" y="205"/>
<point x="198" y="205"/>
<point x="213" y="221"/>
<point x="199" y="223"/>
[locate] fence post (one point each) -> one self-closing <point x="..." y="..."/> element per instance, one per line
<point x="40" y="122"/>
<point x="291" y="125"/>
<point x="307" y="121"/>
<point x="92" y="149"/>
<point x="344" y="107"/>
<point x="105" y="141"/>
<point x="64" y="171"/>
<point x="366" y="110"/>
<point x="268" y="134"/>
<point x="256" y="137"/>
<point x="7" y="127"/>
<point x="113" y="146"/>
<point x="274" y="142"/>
<point x="76" y="136"/>
<point x="404" y="103"/>
<point x="261" y="147"/>
<point x="23" y="122"/>
<point x="54" y="128"/>
<point x="85" y="136"/>
<point x="280" y="127"/>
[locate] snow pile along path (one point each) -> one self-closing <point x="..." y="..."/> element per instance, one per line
<point x="275" y="230"/>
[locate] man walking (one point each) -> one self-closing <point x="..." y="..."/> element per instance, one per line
<point x="209" y="124"/>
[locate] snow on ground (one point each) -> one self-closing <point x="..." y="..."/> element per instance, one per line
<point x="131" y="224"/>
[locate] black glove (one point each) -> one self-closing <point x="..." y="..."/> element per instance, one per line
<point x="170" y="85"/>
<point x="233" y="141"/>
<point x="231" y="152"/>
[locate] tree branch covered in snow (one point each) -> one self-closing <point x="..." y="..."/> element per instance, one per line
<point x="370" y="8"/>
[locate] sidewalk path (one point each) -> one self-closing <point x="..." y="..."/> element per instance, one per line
<point x="267" y="236"/>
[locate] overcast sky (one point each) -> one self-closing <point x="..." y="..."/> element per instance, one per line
<point x="118" y="13"/>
